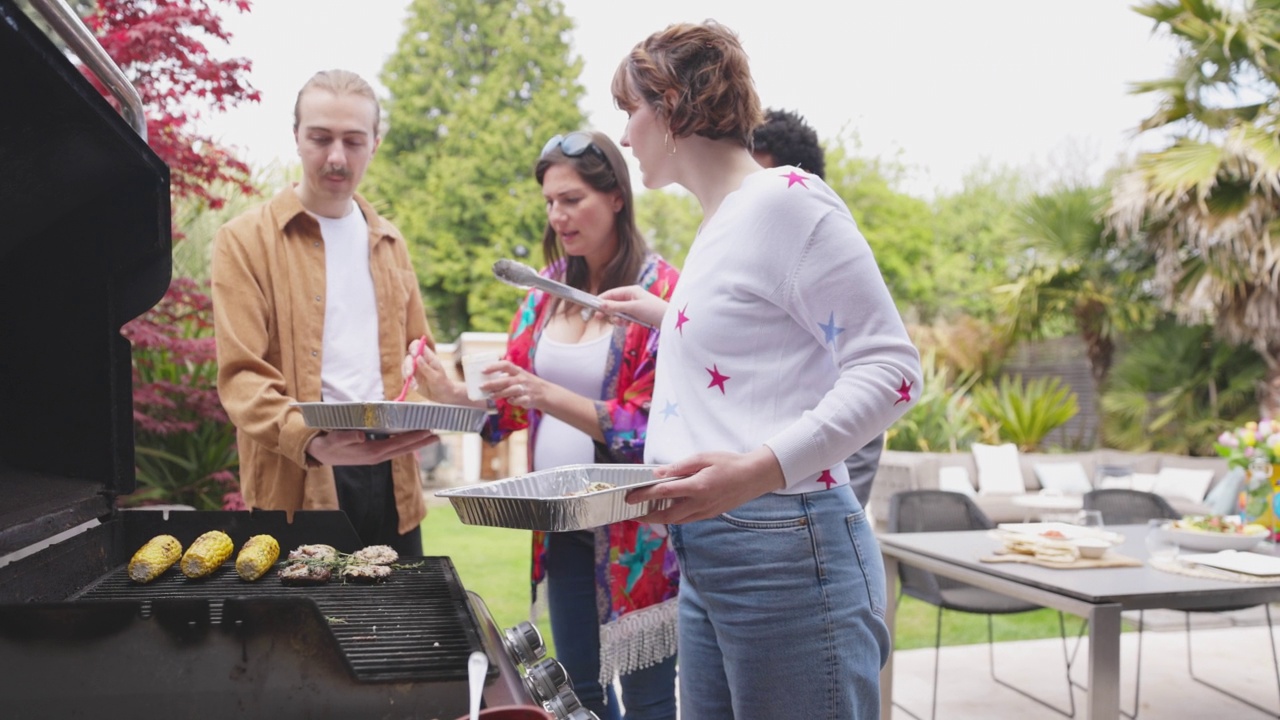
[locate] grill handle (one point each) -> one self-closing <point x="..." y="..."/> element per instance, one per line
<point x="73" y="32"/>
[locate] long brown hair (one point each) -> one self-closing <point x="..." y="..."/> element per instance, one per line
<point x="605" y="172"/>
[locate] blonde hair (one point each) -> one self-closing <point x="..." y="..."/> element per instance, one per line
<point x="696" y="78"/>
<point x="340" y="82"/>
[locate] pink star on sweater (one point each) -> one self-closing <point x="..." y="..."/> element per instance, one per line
<point x="826" y="479"/>
<point x="717" y="380"/>
<point x="794" y="178"/>
<point x="681" y="319"/>
<point x="904" y="392"/>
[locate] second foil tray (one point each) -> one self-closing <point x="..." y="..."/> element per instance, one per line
<point x="557" y="500"/>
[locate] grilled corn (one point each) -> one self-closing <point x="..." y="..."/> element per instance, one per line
<point x="257" y="556"/>
<point x="206" y="554"/>
<point x="154" y="558"/>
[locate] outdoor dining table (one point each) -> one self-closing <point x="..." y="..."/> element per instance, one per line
<point x="1097" y="594"/>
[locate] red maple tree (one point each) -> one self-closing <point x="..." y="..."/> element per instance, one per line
<point x="161" y="47"/>
<point x="184" y="443"/>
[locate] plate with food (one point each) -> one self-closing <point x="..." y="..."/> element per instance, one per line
<point x="389" y="416"/>
<point x="1211" y="533"/>
<point x="573" y="497"/>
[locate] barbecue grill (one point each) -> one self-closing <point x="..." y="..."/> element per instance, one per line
<point x="85" y="248"/>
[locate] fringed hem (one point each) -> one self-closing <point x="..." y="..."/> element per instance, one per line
<point x="638" y="640"/>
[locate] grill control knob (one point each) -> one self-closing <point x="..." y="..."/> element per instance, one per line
<point x="546" y="679"/>
<point x="563" y="704"/>
<point x="524" y="643"/>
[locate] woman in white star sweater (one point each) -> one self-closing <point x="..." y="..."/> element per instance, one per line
<point x="781" y="354"/>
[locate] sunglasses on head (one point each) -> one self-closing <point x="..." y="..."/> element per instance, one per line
<point x="572" y="145"/>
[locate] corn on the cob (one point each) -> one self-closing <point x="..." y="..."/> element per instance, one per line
<point x="206" y="554"/>
<point x="257" y="556"/>
<point x="154" y="558"/>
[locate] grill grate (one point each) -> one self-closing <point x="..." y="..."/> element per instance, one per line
<point x="416" y="626"/>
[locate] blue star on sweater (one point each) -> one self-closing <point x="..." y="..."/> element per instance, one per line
<point x="830" y="329"/>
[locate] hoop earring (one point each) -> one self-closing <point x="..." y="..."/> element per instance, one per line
<point x="670" y="150"/>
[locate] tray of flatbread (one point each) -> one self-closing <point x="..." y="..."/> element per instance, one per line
<point x="1055" y="542"/>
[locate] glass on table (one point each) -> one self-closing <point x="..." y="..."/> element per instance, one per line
<point x="1160" y="544"/>
<point x="1089" y="518"/>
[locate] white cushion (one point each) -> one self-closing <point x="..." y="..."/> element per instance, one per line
<point x="1146" y="482"/>
<point x="1183" y="483"/>
<point x="1068" y="478"/>
<point x="998" y="470"/>
<point x="1115" y="482"/>
<point x="954" y="478"/>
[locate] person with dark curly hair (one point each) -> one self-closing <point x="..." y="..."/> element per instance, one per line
<point x="786" y="139"/>
<point x="781" y="353"/>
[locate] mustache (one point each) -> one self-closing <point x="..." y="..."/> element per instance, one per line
<point x="338" y="170"/>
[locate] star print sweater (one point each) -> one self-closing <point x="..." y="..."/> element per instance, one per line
<point x="781" y="332"/>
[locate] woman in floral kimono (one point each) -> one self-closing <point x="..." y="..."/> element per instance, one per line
<point x="582" y="387"/>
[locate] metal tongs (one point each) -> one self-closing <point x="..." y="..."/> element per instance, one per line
<point x="523" y="276"/>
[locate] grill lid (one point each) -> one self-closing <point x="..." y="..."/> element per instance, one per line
<point x="85" y="248"/>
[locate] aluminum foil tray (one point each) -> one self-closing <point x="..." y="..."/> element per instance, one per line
<point x="389" y="417"/>
<point x="541" y="500"/>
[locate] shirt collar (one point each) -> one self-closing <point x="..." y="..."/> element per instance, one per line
<point x="286" y="205"/>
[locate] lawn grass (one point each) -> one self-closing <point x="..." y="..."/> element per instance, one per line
<point x="494" y="563"/>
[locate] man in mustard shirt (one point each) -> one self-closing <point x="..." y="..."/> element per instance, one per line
<point x="315" y="298"/>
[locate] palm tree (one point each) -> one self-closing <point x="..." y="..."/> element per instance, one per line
<point x="1205" y="205"/>
<point x="1075" y="277"/>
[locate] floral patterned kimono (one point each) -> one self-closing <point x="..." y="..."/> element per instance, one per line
<point x="637" y="576"/>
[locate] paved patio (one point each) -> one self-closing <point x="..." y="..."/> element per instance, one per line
<point x="1230" y="649"/>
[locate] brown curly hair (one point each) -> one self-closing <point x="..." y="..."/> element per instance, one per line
<point x="696" y="78"/>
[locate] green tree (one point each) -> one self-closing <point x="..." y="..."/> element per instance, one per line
<point x="1205" y="205"/>
<point x="975" y="232"/>
<point x="1176" y="388"/>
<point x="668" y="220"/>
<point x="1075" y="276"/>
<point x="476" y="88"/>
<point x="897" y="226"/>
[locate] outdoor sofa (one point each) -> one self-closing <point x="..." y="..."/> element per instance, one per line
<point x="995" y="475"/>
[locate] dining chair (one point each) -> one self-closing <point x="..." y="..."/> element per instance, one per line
<point x="1130" y="507"/>
<point x="941" y="510"/>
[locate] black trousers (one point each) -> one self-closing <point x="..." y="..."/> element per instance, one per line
<point x="367" y="495"/>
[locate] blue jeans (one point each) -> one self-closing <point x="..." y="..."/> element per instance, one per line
<point x="648" y="694"/>
<point x="782" y="607"/>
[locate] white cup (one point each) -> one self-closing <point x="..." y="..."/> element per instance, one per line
<point x="473" y="365"/>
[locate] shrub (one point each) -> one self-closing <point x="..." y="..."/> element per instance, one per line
<point x="1024" y="414"/>
<point x="941" y="420"/>
<point x="184" y="443"/>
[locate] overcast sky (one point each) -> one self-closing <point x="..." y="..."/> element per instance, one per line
<point x="941" y="84"/>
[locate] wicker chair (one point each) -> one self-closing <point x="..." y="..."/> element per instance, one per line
<point x="1129" y="507"/>
<point x="938" y="510"/>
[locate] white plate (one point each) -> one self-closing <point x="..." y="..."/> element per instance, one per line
<point x="1209" y="541"/>
<point x="1248" y="563"/>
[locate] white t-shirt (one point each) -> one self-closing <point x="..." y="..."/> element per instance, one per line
<point x="350" y="368"/>
<point x="579" y="368"/>
<point x="781" y="332"/>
